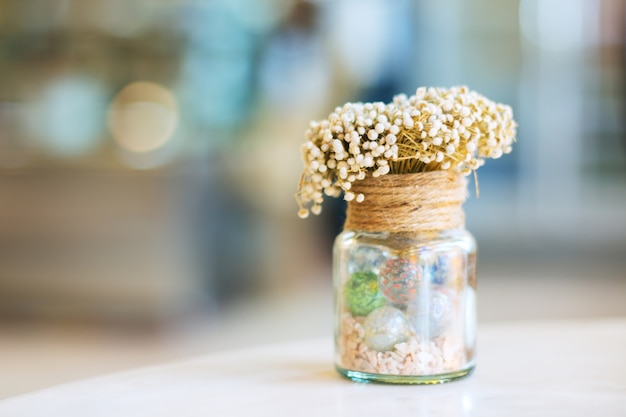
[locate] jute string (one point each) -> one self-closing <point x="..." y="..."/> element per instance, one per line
<point x="423" y="202"/>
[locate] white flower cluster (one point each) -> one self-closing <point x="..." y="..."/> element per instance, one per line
<point x="435" y="129"/>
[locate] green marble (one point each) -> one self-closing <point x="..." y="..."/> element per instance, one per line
<point x="361" y="293"/>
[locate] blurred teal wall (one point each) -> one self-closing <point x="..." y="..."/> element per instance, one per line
<point x="149" y="150"/>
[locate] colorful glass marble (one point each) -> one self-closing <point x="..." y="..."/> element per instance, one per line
<point x="384" y="328"/>
<point x="430" y="314"/>
<point x="365" y="258"/>
<point x="399" y="280"/>
<point x="361" y="293"/>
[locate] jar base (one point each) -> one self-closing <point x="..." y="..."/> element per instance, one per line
<point x="358" y="376"/>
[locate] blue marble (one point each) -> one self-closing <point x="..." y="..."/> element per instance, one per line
<point x="365" y="259"/>
<point x="431" y="314"/>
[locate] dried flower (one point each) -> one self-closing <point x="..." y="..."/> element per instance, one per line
<point x="434" y="129"/>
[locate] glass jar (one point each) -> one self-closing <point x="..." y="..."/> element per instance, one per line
<point x="405" y="300"/>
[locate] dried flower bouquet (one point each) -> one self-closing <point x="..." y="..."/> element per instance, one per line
<point x="434" y="129"/>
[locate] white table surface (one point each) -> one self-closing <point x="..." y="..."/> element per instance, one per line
<point x="567" y="368"/>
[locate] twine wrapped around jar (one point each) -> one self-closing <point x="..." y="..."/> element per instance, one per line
<point x="421" y="202"/>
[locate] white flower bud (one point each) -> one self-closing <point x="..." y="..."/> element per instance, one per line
<point x="407" y="120"/>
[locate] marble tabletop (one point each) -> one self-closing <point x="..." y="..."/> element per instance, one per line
<point x="542" y="368"/>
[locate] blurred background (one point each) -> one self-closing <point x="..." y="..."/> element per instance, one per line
<point x="149" y="153"/>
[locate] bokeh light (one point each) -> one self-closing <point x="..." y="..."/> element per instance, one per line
<point x="558" y="25"/>
<point x="66" y="119"/>
<point x="360" y="49"/>
<point x="143" y="117"/>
